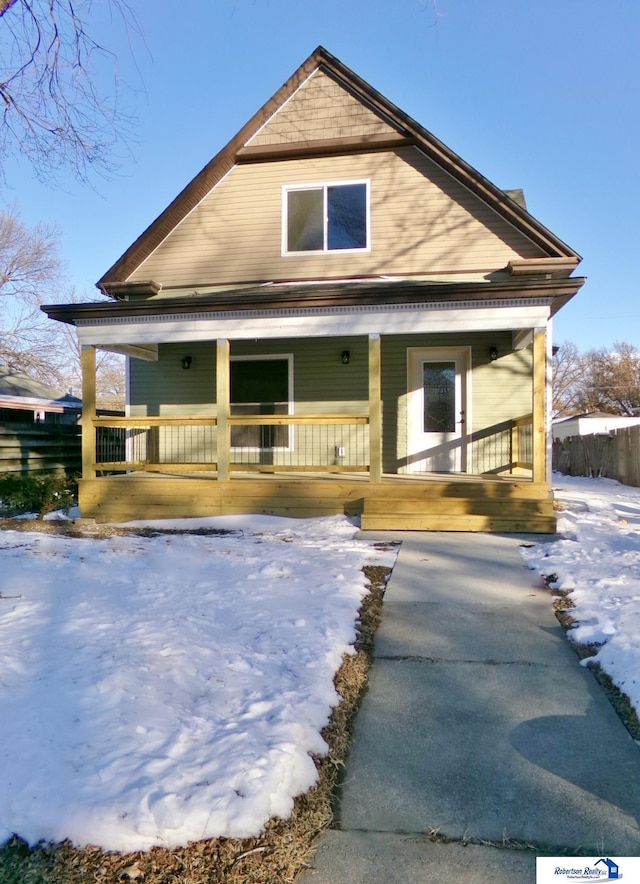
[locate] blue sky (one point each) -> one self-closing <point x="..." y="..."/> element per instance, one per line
<point x="543" y="96"/>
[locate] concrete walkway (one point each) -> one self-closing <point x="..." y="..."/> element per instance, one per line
<point x="481" y="742"/>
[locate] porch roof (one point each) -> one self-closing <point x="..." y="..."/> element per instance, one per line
<point x="346" y="293"/>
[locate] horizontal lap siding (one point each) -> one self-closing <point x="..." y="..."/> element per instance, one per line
<point x="322" y="385"/>
<point x="321" y="108"/>
<point x="422" y="221"/>
<point x="500" y="391"/>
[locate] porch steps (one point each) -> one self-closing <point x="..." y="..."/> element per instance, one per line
<point x="494" y="506"/>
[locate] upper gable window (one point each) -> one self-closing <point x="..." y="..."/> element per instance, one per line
<point x="326" y="217"/>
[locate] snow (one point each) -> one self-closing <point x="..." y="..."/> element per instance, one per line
<point x="160" y="690"/>
<point x="598" y="563"/>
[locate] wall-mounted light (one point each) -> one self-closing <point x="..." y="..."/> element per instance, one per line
<point x="493" y="353"/>
<point x="346" y="356"/>
<point x="186" y="361"/>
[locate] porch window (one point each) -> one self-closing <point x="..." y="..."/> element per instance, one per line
<point x="326" y="217"/>
<point x="439" y="397"/>
<point x="260" y="386"/>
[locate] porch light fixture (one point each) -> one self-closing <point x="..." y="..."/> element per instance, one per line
<point x="346" y="356"/>
<point x="493" y="353"/>
<point x="186" y="361"/>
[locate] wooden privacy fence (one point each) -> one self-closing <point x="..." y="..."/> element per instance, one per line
<point x="614" y="455"/>
<point x="38" y="448"/>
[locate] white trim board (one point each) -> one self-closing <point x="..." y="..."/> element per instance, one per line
<point x="264" y="324"/>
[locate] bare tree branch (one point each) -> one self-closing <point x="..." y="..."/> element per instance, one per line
<point x="599" y="380"/>
<point x="52" y="112"/>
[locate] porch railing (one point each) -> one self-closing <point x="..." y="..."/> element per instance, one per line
<point x="504" y="447"/>
<point x="314" y="443"/>
<point x="279" y="442"/>
<point x="522" y="442"/>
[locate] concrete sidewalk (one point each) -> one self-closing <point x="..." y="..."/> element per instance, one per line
<point x="481" y="742"/>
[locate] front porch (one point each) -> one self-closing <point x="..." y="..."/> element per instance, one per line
<point x="306" y="462"/>
<point x="142" y="468"/>
<point x="426" y="503"/>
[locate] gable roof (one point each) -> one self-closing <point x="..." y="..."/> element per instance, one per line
<point x="396" y="129"/>
<point x="22" y="391"/>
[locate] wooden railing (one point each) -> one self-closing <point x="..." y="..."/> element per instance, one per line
<point x="522" y="442"/>
<point x="315" y="443"/>
<point x="503" y="447"/>
<point x="278" y="442"/>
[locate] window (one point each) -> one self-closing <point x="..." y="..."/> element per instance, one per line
<point x="260" y="385"/>
<point x="326" y="217"/>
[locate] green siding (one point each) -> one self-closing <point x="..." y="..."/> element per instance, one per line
<point x="500" y="391"/>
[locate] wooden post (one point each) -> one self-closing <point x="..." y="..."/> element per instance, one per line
<point x="88" y="359"/>
<point x="223" y="399"/>
<point x="375" y="410"/>
<point x="539" y="405"/>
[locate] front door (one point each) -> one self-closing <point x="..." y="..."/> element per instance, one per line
<point x="260" y="385"/>
<point x="437" y="410"/>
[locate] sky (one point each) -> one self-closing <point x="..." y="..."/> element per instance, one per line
<point x="544" y="96"/>
<point x="112" y="663"/>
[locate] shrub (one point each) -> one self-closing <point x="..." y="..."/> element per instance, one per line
<point x="37" y="494"/>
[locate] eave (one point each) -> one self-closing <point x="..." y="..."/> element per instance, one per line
<point x="323" y="295"/>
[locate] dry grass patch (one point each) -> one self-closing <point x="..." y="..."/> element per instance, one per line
<point x="277" y="856"/>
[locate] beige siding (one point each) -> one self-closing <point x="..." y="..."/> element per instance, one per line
<point x="422" y="222"/>
<point x="320" y="109"/>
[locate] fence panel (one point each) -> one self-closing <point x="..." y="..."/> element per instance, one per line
<point x="615" y="455"/>
<point x="40" y="448"/>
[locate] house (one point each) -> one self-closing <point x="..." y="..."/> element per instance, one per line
<point x="338" y="314"/>
<point x="613" y="870"/>
<point x="592" y="422"/>
<point x="38" y="426"/>
<point x="24" y="399"/>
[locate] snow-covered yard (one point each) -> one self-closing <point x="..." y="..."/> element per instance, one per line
<point x="598" y="563"/>
<point x="157" y="690"/>
<point x="160" y="690"/>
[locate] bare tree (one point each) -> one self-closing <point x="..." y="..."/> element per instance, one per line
<point x="29" y="268"/>
<point x="53" y="112"/>
<point x="566" y="370"/>
<point x="611" y="380"/>
<point x="606" y="380"/>
<point x="31" y="273"/>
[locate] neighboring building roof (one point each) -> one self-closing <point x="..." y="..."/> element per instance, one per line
<point x="400" y="130"/>
<point x="23" y="392"/>
<point x="595" y="415"/>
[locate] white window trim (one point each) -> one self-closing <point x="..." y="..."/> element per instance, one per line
<point x="261" y="357"/>
<point x="324" y="185"/>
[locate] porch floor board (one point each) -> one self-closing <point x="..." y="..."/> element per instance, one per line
<point x="428" y="502"/>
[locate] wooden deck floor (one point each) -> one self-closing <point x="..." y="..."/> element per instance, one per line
<point x="430" y="502"/>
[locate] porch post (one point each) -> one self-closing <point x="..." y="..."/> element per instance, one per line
<point x="539" y="405"/>
<point x="375" y="410"/>
<point x="88" y="362"/>
<point x="223" y="407"/>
